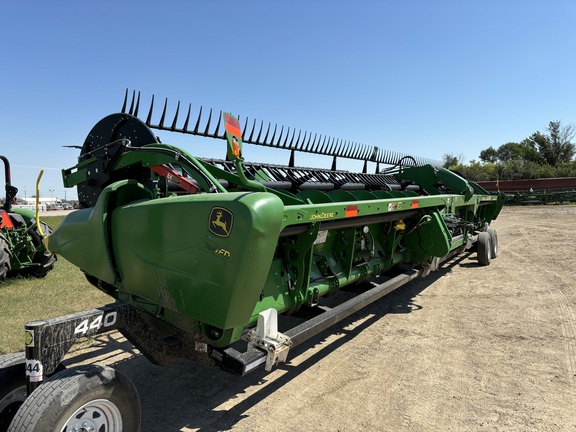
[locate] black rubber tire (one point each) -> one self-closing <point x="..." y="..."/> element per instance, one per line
<point x="44" y="257"/>
<point x="5" y="257"/>
<point x="72" y="397"/>
<point x="493" y="242"/>
<point x="484" y="249"/>
<point x="12" y="387"/>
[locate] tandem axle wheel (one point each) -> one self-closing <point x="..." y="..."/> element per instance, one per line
<point x="81" y="399"/>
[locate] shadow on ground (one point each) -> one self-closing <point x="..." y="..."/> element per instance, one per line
<point x="190" y="395"/>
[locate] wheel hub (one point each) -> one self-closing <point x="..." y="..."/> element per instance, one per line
<point x="99" y="415"/>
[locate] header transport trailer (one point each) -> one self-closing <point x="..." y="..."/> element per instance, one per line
<point x="535" y="191"/>
<point x="203" y="255"/>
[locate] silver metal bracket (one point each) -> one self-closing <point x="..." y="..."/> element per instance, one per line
<point x="267" y="337"/>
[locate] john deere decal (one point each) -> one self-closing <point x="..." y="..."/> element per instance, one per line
<point x="220" y="221"/>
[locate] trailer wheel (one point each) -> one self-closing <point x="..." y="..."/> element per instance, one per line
<point x="493" y="242"/>
<point x="84" y="398"/>
<point x="12" y="387"/>
<point x="4" y="258"/>
<point x="484" y="248"/>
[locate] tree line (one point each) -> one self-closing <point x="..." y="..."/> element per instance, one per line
<point x="541" y="155"/>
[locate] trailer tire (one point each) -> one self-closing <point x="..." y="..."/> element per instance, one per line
<point x="81" y="398"/>
<point x="12" y="387"/>
<point x="4" y="258"/>
<point x="493" y="242"/>
<point x="484" y="249"/>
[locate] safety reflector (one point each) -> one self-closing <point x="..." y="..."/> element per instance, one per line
<point x="5" y="221"/>
<point x="232" y="125"/>
<point x="351" y="211"/>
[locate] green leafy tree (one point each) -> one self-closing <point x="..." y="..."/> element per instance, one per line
<point x="556" y="147"/>
<point x="489" y="155"/>
<point x="450" y="160"/>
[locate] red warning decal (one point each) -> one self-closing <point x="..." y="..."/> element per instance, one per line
<point x="415" y="204"/>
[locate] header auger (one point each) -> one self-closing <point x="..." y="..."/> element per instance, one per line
<point x="203" y="255"/>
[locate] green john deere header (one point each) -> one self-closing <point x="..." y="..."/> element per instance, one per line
<point x="203" y="255"/>
<point x="206" y="245"/>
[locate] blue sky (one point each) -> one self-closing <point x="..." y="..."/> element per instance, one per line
<point x="421" y="77"/>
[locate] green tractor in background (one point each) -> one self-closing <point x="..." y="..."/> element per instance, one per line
<point x="21" y="237"/>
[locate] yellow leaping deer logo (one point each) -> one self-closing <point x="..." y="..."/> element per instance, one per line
<point x="220" y="222"/>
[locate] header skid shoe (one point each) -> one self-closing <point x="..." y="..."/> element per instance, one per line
<point x="267" y="337"/>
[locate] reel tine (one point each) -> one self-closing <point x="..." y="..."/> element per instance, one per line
<point x="325" y="149"/>
<point x="137" y="105"/>
<point x="244" y="129"/>
<point x="352" y="150"/>
<point x="286" y="139"/>
<point x="149" y="118"/>
<point x="319" y="145"/>
<point x="327" y="139"/>
<point x="302" y="144"/>
<point x="163" y="116"/>
<point x="297" y="143"/>
<point x="360" y="152"/>
<point x="218" y="125"/>
<point x="339" y="146"/>
<point x="385" y="158"/>
<point x="368" y="153"/>
<point x="173" y="127"/>
<point x="294" y="145"/>
<point x="346" y="150"/>
<point x="342" y="144"/>
<point x="374" y="155"/>
<point x="330" y="150"/>
<point x="308" y="142"/>
<point x="259" y="132"/>
<point x="267" y="132"/>
<point x="349" y="150"/>
<point x="309" y="147"/>
<point x="132" y="102"/>
<point x="123" y="110"/>
<point x="252" y="131"/>
<point x="198" y="121"/>
<point x="342" y="150"/>
<point x="185" y="128"/>
<point x="208" y="124"/>
<point x="279" y="137"/>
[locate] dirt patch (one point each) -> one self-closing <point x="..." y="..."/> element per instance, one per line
<point x="468" y="348"/>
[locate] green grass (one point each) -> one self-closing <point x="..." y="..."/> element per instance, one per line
<point x="63" y="291"/>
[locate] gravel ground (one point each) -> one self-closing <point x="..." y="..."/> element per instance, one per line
<point x="468" y="348"/>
